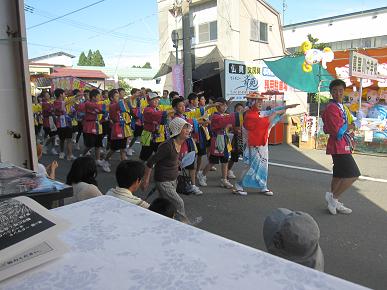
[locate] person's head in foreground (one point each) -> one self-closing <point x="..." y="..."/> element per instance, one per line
<point x="129" y="174"/>
<point x="180" y="128"/>
<point x="336" y="88"/>
<point x="293" y="235"/>
<point x="83" y="169"/>
<point x="164" y="207"/>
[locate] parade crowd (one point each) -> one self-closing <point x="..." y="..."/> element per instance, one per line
<point x="173" y="129"/>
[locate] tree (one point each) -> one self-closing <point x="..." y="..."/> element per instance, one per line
<point x="82" y="59"/>
<point x="315" y="45"/>
<point x="89" y="58"/>
<point x="123" y="84"/>
<point x="147" y="65"/>
<point x="98" y="59"/>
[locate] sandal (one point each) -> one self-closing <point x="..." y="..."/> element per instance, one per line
<point x="239" y="191"/>
<point x="267" y="192"/>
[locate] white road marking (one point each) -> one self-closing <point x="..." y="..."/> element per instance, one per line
<point x="324" y="171"/>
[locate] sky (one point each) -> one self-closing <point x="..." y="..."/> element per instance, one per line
<point x="126" y="31"/>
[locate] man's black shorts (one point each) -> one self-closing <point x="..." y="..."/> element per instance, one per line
<point x="48" y="132"/>
<point x="118" y="144"/>
<point x="218" y="159"/>
<point x="65" y="133"/>
<point x="138" y="131"/>
<point x="147" y="151"/>
<point x="344" y="166"/>
<point x="92" y="140"/>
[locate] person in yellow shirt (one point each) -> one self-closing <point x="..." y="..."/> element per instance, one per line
<point x="38" y="117"/>
<point x="136" y="102"/>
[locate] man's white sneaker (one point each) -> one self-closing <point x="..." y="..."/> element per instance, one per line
<point x="231" y="174"/>
<point x="267" y="192"/>
<point x="129" y="151"/>
<point x="332" y="203"/>
<point x="225" y="183"/>
<point x="342" y="209"/>
<point x="213" y="168"/>
<point x="202" y="180"/>
<point x="61" y="155"/>
<point x="196" y="190"/>
<point x="106" y="166"/>
<point x="54" y="152"/>
<point x="238" y="189"/>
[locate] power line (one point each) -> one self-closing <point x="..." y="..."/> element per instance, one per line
<point x="72" y="12"/>
<point x="84" y="26"/>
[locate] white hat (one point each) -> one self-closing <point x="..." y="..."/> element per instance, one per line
<point x="176" y="125"/>
<point x="153" y="95"/>
<point x="293" y="235"/>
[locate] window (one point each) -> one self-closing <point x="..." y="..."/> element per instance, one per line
<point x="367" y="43"/>
<point x="263" y="31"/>
<point x="208" y="31"/>
<point x="258" y="31"/>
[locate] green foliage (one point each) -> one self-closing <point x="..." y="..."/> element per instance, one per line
<point x="123" y="84"/>
<point x="92" y="59"/>
<point x="82" y="59"/>
<point x="315" y="45"/>
<point x="98" y="59"/>
<point x="147" y="65"/>
<point x="313" y="98"/>
<point x="89" y="60"/>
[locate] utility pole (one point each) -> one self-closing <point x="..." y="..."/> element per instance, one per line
<point x="176" y="11"/>
<point x="284" y="6"/>
<point x="187" y="48"/>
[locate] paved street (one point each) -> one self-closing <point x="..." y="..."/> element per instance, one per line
<point x="354" y="246"/>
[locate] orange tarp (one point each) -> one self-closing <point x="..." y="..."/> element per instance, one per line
<point x="342" y="59"/>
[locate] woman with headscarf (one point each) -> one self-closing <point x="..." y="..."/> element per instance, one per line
<point x="257" y="124"/>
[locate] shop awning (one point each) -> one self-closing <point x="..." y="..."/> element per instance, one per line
<point x="204" y="67"/>
<point x="289" y="70"/>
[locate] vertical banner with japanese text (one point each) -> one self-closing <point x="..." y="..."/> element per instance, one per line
<point x="178" y="79"/>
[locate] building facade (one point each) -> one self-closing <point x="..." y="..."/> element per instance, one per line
<point x="241" y="30"/>
<point x="58" y="59"/>
<point x="363" y="29"/>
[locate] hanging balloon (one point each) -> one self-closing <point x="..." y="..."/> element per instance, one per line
<point x="306" y="67"/>
<point x="313" y="56"/>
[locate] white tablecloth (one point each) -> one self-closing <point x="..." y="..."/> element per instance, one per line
<point x="116" y="245"/>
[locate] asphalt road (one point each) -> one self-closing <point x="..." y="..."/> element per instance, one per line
<point x="354" y="246"/>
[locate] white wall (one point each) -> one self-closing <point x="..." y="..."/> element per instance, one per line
<point x="250" y="50"/>
<point x="58" y="60"/>
<point x="341" y="29"/>
<point x="139" y="83"/>
<point x="15" y="98"/>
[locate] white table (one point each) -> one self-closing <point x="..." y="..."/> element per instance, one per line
<point x="116" y="245"/>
